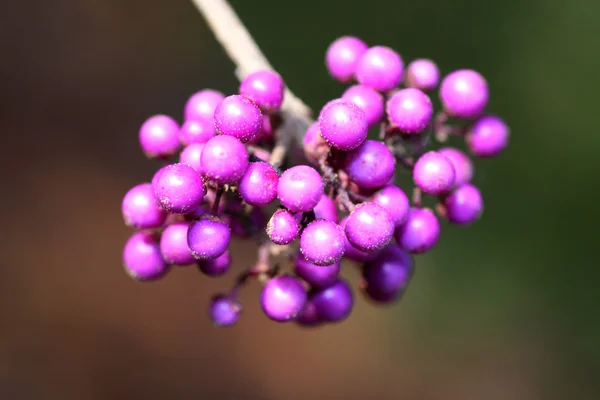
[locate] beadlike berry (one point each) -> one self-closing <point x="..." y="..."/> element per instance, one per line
<point x="317" y="275"/>
<point x="343" y="125"/>
<point x="283" y="227"/>
<point x="393" y="200"/>
<point x="202" y="105"/>
<point x="178" y="188"/>
<point x="238" y="116"/>
<point x="224" y="160"/>
<point x="283" y="298"/>
<point x="208" y="237"/>
<point x="196" y="131"/>
<point x="422" y="74"/>
<point x="380" y="68"/>
<point x="224" y="310"/>
<point x="369" y="227"/>
<point x="464" y="205"/>
<point x="142" y="258"/>
<point x="322" y="242"/>
<point x="159" y="136"/>
<point x="351" y="252"/>
<point x="309" y="317"/>
<point x="258" y="186"/>
<point x="265" y="88"/>
<point x="488" y="136"/>
<point x="371" y="165"/>
<point x="342" y="57"/>
<point x="140" y="210"/>
<point x="463" y="167"/>
<point x="326" y="209"/>
<point x="410" y="110"/>
<point x="420" y="232"/>
<point x="173" y="244"/>
<point x="464" y="93"/>
<point x="334" y="302"/>
<point x="315" y="147"/>
<point x="300" y="188"/>
<point x="387" y="277"/>
<point x="433" y="173"/>
<point x="191" y="156"/>
<point x="216" y="267"/>
<point x="369" y="100"/>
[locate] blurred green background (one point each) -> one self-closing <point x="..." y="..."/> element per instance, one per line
<point x="504" y="309"/>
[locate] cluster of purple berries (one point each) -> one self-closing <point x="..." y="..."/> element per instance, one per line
<point x="340" y="202"/>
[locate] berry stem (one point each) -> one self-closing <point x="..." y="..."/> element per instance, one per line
<point x="417" y="197"/>
<point x="215" y="206"/>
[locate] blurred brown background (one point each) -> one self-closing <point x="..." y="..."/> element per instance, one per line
<point x="505" y="309"/>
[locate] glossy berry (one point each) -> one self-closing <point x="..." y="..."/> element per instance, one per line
<point x="334" y="303"/>
<point x="224" y="310"/>
<point x="343" y="125"/>
<point x="208" y="238"/>
<point x="410" y="110"/>
<point x="380" y="68"/>
<point x="317" y="275"/>
<point x="142" y="258"/>
<point x="258" y="186"/>
<point x="369" y="227"/>
<point x="422" y="74"/>
<point x="224" y="160"/>
<point x="420" y="232"/>
<point x="265" y="88"/>
<point x="322" y="242"/>
<point x="464" y="205"/>
<point x="283" y="228"/>
<point x="315" y="147"/>
<point x="191" y="156"/>
<point x="300" y="188"/>
<point x="371" y="165"/>
<point x="238" y="116"/>
<point x="196" y="131"/>
<point x="464" y="93"/>
<point x="173" y="244"/>
<point x="140" y="209"/>
<point x="216" y="267"/>
<point x="369" y="100"/>
<point x="178" y="188"/>
<point x="433" y="173"/>
<point x="202" y="105"/>
<point x="283" y="298"/>
<point x="342" y="57"/>
<point x="159" y="136"/>
<point x="326" y="209"/>
<point x="487" y="137"/>
<point x="393" y="200"/>
<point x="463" y="167"/>
<point x="351" y="252"/>
<point x="387" y="277"/>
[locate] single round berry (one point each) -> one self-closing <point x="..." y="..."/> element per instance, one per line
<point x="265" y="88"/>
<point x="317" y="275"/>
<point x="173" y="244"/>
<point x="343" y="125"/>
<point x="224" y="160"/>
<point x="258" y="186"/>
<point x="342" y="57"/>
<point x="178" y="188"/>
<point x="238" y="116"/>
<point x="196" y="131"/>
<point x="434" y="173"/>
<point x="464" y="205"/>
<point x="463" y="167"/>
<point x="191" y="156"/>
<point x="380" y="68"/>
<point x="309" y="317"/>
<point x="142" y="258"/>
<point x="159" y="136"/>
<point x="208" y="237"/>
<point x="300" y="188"/>
<point x="283" y="298"/>
<point x="283" y="227"/>
<point x="326" y="209"/>
<point x="322" y="242"/>
<point x="410" y="110"/>
<point x="422" y="74"/>
<point x="393" y="200"/>
<point x="351" y="252"/>
<point x="140" y="210"/>
<point x="202" y="105"/>
<point x="487" y="137"/>
<point x="420" y="232"/>
<point x="464" y="93"/>
<point x="216" y="267"/>
<point x="334" y="303"/>
<point x="369" y="227"/>
<point x="224" y="310"/>
<point x="369" y="100"/>
<point x="371" y="165"/>
<point x="387" y="277"/>
<point x="315" y="147"/>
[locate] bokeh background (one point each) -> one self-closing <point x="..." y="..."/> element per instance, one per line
<point x="504" y="309"/>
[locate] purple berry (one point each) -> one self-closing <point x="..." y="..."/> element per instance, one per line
<point x="159" y="136"/>
<point x="410" y="110"/>
<point x="369" y="100"/>
<point x="464" y="93"/>
<point x="265" y="88"/>
<point x="178" y="188"/>
<point x="283" y="227"/>
<point x="224" y="160"/>
<point x="258" y="186"/>
<point x="326" y="209"/>
<point x="343" y="125"/>
<point x="300" y="188"/>
<point x="387" y="276"/>
<point x="322" y="242"/>
<point x="191" y="156"/>
<point x="369" y="227"/>
<point x="422" y="74"/>
<point x="173" y="244"/>
<point x="464" y="205"/>
<point x="142" y="258"/>
<point x="216" y="267"/>
<point x="196" y="131"/>
<point x="380" y="68"/>
<point x="371" y="165"/>
<point x="309" y="317"/>
<point x="342" y="57"/>
<point x="487" y="137"/>
<point x="315" y="147"/>
<point x="224" y="310"/>
<point x="202" y="105"/>
<point x="393" y="200"/>
<point x="316" y="275"/>
<point x="463" y="167"/>
<point x="420" y="232"/>
<point x="434" y="173"/>
<point x="208" y="237"/>
<point x="283" y="298"/>
<point x="140" y="210"/>
<point x="351" y="252"/>
<point x="238" y="116"/>
<point x="334" y="303"/>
